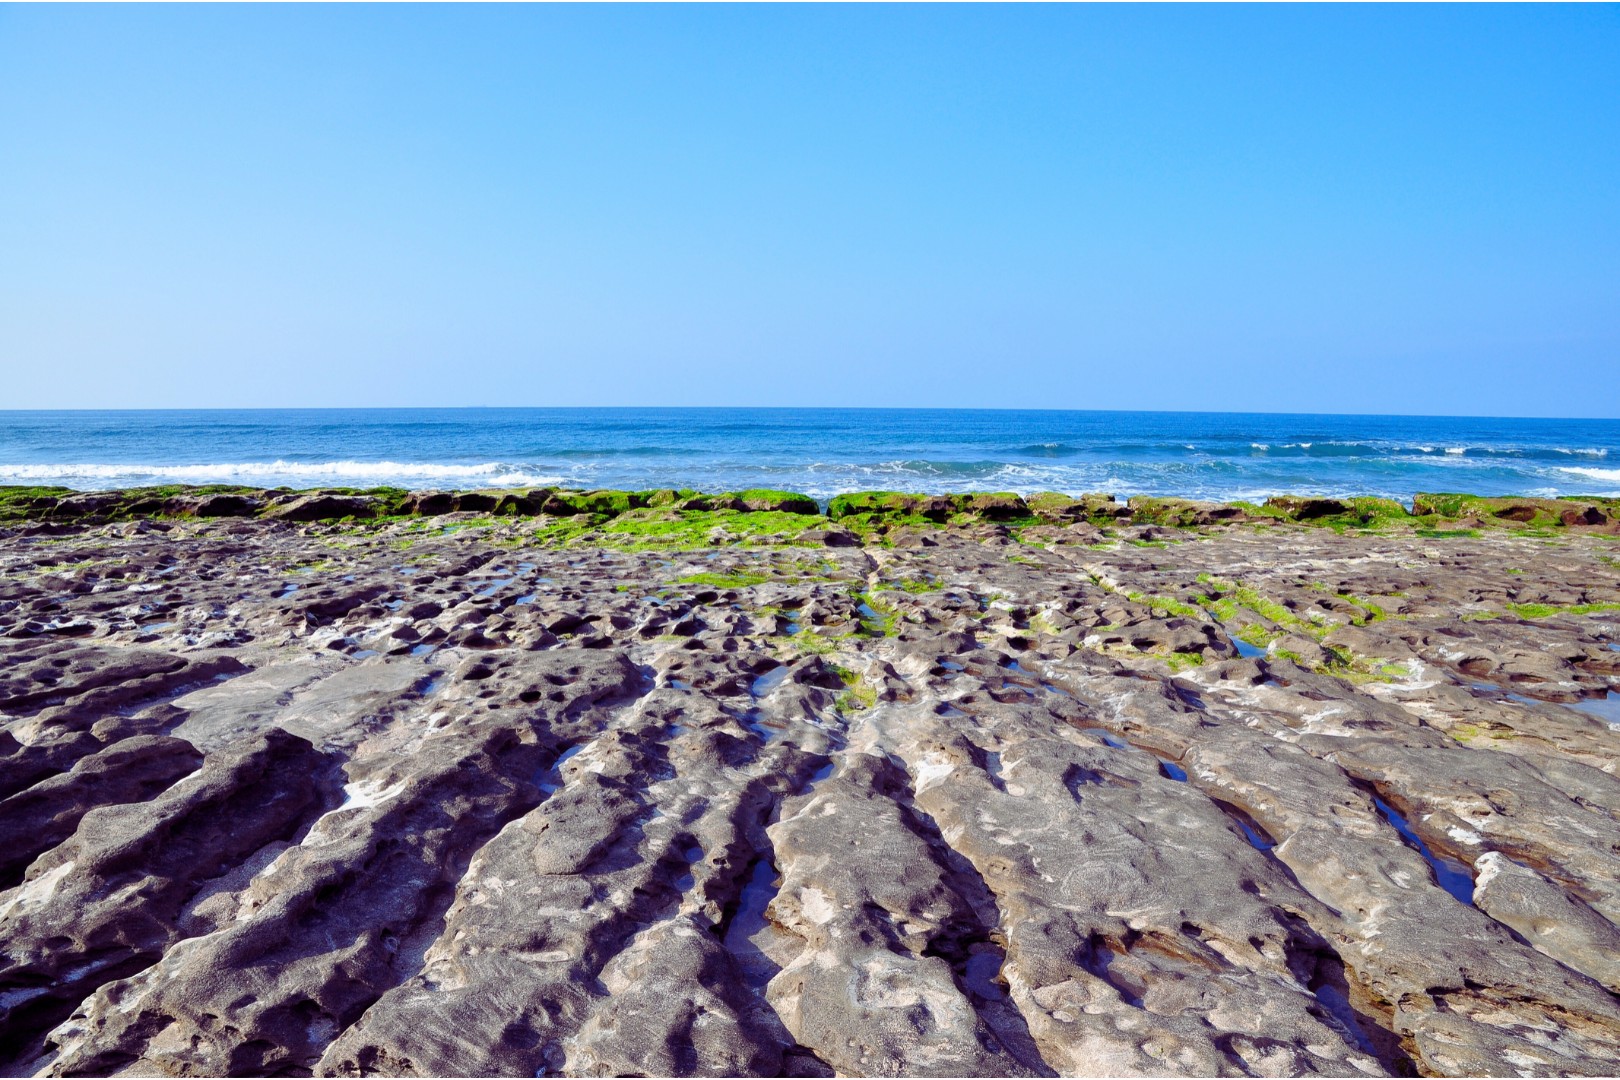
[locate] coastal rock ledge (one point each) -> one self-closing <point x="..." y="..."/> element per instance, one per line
<point x="969" y="785"/>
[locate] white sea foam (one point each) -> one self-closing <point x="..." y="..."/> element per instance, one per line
<point x="1591" y="474"/>
<point x="90" y="475"/>
<point x="1456" y="449"/>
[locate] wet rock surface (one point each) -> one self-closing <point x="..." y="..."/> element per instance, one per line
<point x="449" y="795"/>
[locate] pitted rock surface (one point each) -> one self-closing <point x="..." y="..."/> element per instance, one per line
<point x="436" y="797"/>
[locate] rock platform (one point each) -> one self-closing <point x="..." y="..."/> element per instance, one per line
<point x="750" y="791"/>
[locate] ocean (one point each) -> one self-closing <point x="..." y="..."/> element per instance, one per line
<point x="820" y="452"/>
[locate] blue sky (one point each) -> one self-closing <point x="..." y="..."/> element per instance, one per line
<point x="1336" y="209"/>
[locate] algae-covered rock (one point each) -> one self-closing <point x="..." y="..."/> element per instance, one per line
<point x="1376" y="511"/>
<point x="997" y="506"/>
<point x="323" y="507"/>
<point x="723" y="501"/>
<point x="18" y="501"/>
<point x="220" y="504"/>
<point x="1153" y="510"/>
<point x="431" y="503"/>
<point x="1055" y="507"/>
<point x="884" y="503"/>
<point x="570" y="503"/>
<point x="1517" y="510"/>
<point x="785" y="502"/>
<point x="1305" y="507"/>
<point x="1363" y="511"/>
<point x="476" y="502"/>
<point x="830" y="537"/>
<point x="919" y="509"/>
<point x="1100" y="507"/>
<point x="91" y="504"/>
<point x="668" y="496"/>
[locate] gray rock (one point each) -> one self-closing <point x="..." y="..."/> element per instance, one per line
<point x="413" y="800"/>
<point x="1548" y="917"/>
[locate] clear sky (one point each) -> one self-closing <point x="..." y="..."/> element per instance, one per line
<point x="1333" y="209"/>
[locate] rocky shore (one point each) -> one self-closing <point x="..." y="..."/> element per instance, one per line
<point x="605" y="783"/>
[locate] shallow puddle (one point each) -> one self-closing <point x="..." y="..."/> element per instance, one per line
<point x="1605" y="708"/>
<point x="549" y="779"/>
<point x="749" y="933"/>
<point x="1252" y="832"/>
<point x="1172" y="770"/>
<point x="1106" y="736"/>
<point x="979" y="975"/>
<point x="769" y="681"/>
<point x="1453" y="876"/>
<point x="1252" y="835"/>
<point x="755" y="721"/>
<point x="1245" y="649"/>
<point x="1344" y="1015"/>
<point x="992" y="765"/>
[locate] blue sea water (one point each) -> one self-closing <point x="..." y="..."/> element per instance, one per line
<point x="820" y="452"/>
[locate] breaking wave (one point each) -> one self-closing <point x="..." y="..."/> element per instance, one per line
<point x="91" y="476"/>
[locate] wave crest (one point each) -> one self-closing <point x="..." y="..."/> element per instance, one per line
<point x="1592" y="474"/>
<point x="275" y="474"/>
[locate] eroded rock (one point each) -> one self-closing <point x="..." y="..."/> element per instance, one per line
<point x="1033" y="793"/>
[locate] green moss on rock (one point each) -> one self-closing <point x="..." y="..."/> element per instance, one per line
<point x="1522" y="511"/>
<point x="1184" y="513"/>
<point x="785" y="502"/>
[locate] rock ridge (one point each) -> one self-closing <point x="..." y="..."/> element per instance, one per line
<point x="921" y="785"/>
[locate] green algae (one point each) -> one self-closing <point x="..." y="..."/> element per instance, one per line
<point x="880" y="623"/>
<point x="1544" y="611"/>
<point x="684" y="519"/>
<point x="1169" y="605"/>
<point x="858" y="694"/>
<point x="648" y="529"/>
<point x="1241" y="595"/>
<point x="736" y="580"/>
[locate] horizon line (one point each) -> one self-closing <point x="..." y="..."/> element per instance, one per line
<point x="789" y="408"/>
